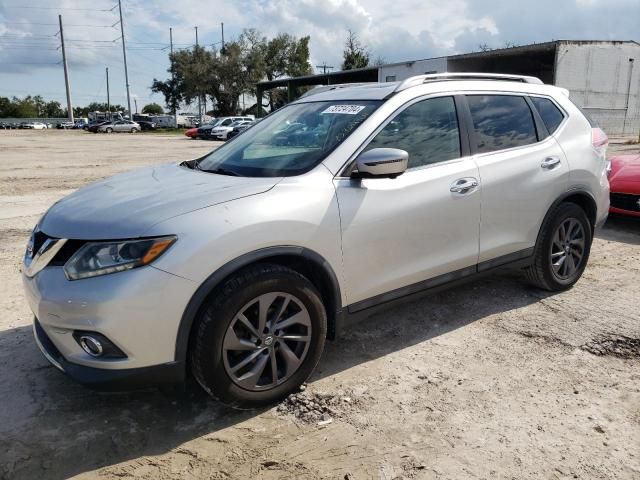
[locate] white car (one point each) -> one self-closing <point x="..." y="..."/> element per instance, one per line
<point x="222" y="132"/>
<point x="240" y="264"/>
<point x="35" y="126"/>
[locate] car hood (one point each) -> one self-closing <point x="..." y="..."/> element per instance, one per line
<point x="127" y="205"/>
<point x="625" y="174"/>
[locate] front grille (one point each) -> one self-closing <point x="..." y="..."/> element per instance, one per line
<point x="65" y="253"/>
<point x="38" y="240"/>
<point x="625" y="201"/>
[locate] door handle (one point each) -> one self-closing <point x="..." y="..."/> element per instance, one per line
<point x="463" y="185"/>
<point x="550" y="163"/>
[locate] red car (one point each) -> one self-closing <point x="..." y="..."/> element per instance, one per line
<point x="192" y="133"/>
<point x="624" y="181"/>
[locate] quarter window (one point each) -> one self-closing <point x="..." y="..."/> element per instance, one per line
<point x="551" y="115"/>
<point x="501" y="121"/>
<point x="428" y="130"/>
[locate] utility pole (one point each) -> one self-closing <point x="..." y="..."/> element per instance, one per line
<point x="124" y="56"/>
<point x="222" y="28"/>
<point x="324" y="67"/>
<point x="135" y="100"/>
<point x="199" y="94"/>
<point x="173" y="105"/>
<point x="108" y="96"/>
<point x="66" y="72"/>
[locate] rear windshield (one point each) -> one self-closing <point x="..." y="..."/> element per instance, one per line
<point x="290" y="141"/>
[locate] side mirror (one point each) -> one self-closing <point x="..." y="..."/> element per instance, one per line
<point x="380" y="163"/>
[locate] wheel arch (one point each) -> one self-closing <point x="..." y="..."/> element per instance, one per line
<point x="305" y="261"/>
<point x="580" y="197"/>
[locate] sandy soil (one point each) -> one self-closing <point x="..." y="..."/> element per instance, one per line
<point x="493" y="379"/>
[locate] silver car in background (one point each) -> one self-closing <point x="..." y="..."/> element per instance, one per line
<point x="238" y="265"/>
<point x="120" y="126"/>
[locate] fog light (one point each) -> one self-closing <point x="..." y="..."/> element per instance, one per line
<point x="97" y="345"/>
<point x="91" y="345"/>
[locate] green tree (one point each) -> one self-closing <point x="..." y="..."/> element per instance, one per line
<point x="355" y="55"/>
<point x="153" y="109"/>
<point x="53" y="109"/>
<point x="223" y="77"/>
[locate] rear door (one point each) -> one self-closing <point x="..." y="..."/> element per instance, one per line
<point x="523" y="171"/>
<point x="403" y="234"/>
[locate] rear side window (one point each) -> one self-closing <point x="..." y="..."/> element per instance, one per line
<point x="501" y="121"/>
<point x="427" y="130"/>
<point x="551" y="115"/>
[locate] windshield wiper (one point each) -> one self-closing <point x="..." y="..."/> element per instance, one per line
<point x="219" y="171"/>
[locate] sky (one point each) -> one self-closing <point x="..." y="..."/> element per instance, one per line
<point x="30" y="60"/>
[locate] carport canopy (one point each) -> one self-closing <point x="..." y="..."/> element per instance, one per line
<point x="357" y="75"/>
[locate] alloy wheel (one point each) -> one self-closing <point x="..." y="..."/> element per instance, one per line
<point x="267" y="341"/>
<point x="567" y="248"/>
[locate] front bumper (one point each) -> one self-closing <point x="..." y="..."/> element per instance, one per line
<point x="138" y="310"/>
<point x="108" y="380"/>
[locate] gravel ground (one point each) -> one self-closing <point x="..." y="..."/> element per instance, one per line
<point x="492" y="379"/>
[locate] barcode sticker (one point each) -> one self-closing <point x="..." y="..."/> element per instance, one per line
<point x="344" y="109"/>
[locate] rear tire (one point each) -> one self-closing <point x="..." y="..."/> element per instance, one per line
<point x="563" y="248"/>
<point x="245" y="350"/>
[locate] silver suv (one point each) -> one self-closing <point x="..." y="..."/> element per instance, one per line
<point x="238" y="265"/>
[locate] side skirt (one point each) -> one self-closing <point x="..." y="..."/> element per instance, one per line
<point x="361" y="310"/>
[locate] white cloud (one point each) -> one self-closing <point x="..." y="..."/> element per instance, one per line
<point x="400" y="30"/>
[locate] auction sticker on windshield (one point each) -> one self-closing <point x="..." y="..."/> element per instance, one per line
<point x="344" y="109"/>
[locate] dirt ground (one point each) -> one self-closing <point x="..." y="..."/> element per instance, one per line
<point x="492" y="379"/>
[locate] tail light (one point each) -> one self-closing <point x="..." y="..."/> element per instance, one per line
<point x="599" y="140"/>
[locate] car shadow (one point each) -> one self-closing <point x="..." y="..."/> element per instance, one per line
<point x="619" y="228"/>
<point x="50" y="425"/>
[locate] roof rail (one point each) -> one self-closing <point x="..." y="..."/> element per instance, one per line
<point x="441" y="77"/>
<point x="325" y="88"/>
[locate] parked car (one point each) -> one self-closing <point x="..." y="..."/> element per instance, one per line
<point x="120" y="126"/>
<point x="222" y="132"/>
<point x="65" y="125"/>
<point x="238" y="129"/>
<point x="192" y="133"/>
<point x="204" y="131"/>
<point x="93" y="127"/>
<point x="624" y="179"/>
<point x="5" y="126"/>
<point x="33" y="125"/>
<point x="240" y="264"/>
<point x="144" y="125"/>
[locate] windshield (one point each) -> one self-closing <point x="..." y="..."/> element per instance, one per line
<point x="290" y="141"/>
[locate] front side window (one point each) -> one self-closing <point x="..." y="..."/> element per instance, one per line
<point x="427" y="130"/>
<point x="550" y="114"/>
<point x="501" y="121"/>
<point x="290" y="141"/>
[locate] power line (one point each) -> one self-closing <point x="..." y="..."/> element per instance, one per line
<point x="55" y="24"/>
<point x="60" y="8"/>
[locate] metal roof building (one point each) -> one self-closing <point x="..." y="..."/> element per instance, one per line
<point x="603" y="77"/>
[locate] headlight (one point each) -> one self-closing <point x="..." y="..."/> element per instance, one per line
<point x="101" y="258"/>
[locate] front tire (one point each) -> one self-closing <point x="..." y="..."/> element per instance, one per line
<point x="563" y="248"/>
<point x="259" y="337"/>
<point x="109" y="130"/>
<point x="134" y="130"/>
